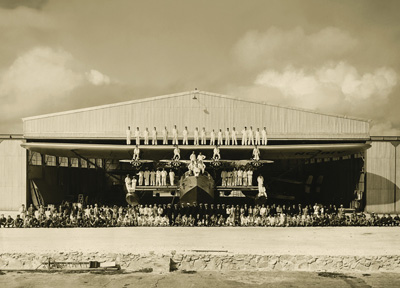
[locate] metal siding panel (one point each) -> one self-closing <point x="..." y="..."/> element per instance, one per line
<point x="13" y="171"/>
<point x="397" y="187"/>
<point x="380" y="177"/>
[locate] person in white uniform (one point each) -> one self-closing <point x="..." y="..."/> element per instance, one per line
<point x="137" y="136"/>
<point x="177" y="153"/>
<point x="140" y="174"/>
<point x="200" y="159"/>
<point x="164" y="175"/>
<point x="220" y="137"/>
<point x="250" y="136"/>
<point x="165" y="136"/>
<point x="158" y="178"/>
<point x="128" y="136"/>
<point x="174" y="136"/>
<point x="264" y="136"/>
<point x="152" y="178"/>
<point x="256" y="153"/>
<point x="235" y="177"/>
<point x="154" y="136"/>
<point x="212" y="137"/>
<point x="128" y="181"/>
<point x="258" y="138"/>
<point x="234" y="136"/>
<point x="229" y="176"/>
<point x="136" y="152"/>
<point x="203" y="135"/>
<point x="171" y="177"/>
<point x="146" y="136"/>
<point x="185" y="136"/>
<point x="146" y="177"/>
<point x="216" y="153"/>
<point x="223" y="177"/>
<point x="244" y="178"/>
<point x="227" y="137"/>
<point x="196" y="136"/>
<point x="244" y="136"/>
<point x="133" y="185"/>
<point x="250" y="177"/>
<point x="240" y="177"/>
<point x="260" y="182"/>
<point x="192" y="157"/>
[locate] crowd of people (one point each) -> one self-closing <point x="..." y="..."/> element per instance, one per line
<point x="200" y="137"/>
<point x="186" y="214"/>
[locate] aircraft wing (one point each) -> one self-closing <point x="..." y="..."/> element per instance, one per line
<point x="244" y="162"/>
<point x="142" y="161"/>
<point x="170" y="161"/>
<point x="234" y="152"/>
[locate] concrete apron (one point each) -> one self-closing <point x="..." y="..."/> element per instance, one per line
<point x="203" y="261"/>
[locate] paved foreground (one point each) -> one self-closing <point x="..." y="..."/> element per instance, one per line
<point x="200" y="279"/>
<point x="332" y="241"/>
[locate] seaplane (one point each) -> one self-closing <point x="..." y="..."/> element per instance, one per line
<point x="196" y="184"/>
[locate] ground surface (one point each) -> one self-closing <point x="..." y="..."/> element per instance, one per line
<point x="200" y="279"/>
<point x="357" y="241"/>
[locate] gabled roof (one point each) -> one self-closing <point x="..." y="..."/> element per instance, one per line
<point x="193" y="109"/>
<point x="188" y="93"/>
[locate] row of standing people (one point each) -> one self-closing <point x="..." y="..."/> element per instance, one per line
<point x="156" y="177"/>
<point x="240" y="177"/>
<point x="200" y="137"/>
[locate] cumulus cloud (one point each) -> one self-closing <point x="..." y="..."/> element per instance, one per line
<point x="38" y="75"/>
<point x="97" y="78"/>
<point x="384" y="128"/>
<point x="278" y="47"/>
<point x="42" y="78"/>
<point x="311" y="88"/>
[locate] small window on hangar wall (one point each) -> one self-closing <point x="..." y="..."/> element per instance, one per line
<point x="35" y="158"/>
<point x="50" y="160"/>
<point x="74" y="162"/>
<point x="92" y="160"/>
<point x="84" y="163"/>
<point x="63" y="161"/>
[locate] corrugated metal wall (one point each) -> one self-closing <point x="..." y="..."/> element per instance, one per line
<point x="383" y="177"/>
<point x="211" y="111"/>
<point x="13" y="175"/>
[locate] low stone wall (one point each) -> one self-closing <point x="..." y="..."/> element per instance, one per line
<point x="211" y="262"/>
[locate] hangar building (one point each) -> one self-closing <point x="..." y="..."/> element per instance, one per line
<point x="316" y="157"/>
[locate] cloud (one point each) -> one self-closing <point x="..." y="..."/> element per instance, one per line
<point x="97" y="78"/>
<point x="339" y="80"/>
<point x="42" y="79"/>
<point x="26" y="18"/>
<point x="12" y="4"/>
<point x="278" y="47"/>
<point x="41" y="74"/>
<point x="384" y="128"/>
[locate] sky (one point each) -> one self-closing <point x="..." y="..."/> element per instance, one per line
<point x="331" y="56"/>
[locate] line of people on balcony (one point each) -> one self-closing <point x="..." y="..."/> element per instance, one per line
<point x="200" y="137"/>
<point x="239" y="177"/>
<point x="156" y="177"/>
